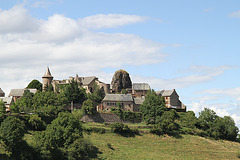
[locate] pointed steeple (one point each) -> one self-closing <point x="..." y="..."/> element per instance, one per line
<point x="47" y="74"/>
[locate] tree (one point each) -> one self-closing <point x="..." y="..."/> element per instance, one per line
<point x="61" y="133"/>
<point x="74" y="93"/>
<point x="35" y="84"/>
<point x="188" y="119"/>
<point x="88" y="107"/>
<point x="97" y="94"/>
<point x="12" y="131"/>
<point x="206" y="118"/>
<point x="224" y="128"/>
<point x="153" y="107"/>
<point x="2" y="107"/>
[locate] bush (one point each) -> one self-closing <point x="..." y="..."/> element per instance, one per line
<point x="96" y="130"/>
<point x="120" y="128"/>
<point x="36" y="123"/>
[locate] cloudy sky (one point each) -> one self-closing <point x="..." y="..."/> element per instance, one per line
<point x="190" y="46"/>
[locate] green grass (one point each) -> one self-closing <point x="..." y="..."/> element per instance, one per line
<point x="149" y="146"/>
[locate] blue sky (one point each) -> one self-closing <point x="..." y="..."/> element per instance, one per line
<point x="191" y="46"/>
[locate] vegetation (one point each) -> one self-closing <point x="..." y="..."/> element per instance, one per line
<point x="35" y="84"/>
<point x="152" y="108"/>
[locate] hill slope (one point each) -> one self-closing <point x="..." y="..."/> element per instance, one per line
<point x="148" y="146"/>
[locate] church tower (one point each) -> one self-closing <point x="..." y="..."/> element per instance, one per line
<point x="46" y="79"/>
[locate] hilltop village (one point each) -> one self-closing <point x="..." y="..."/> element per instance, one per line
<point x="121" y="90"/>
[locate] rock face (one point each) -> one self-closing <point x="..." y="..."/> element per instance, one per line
<point x="120" y="80"/>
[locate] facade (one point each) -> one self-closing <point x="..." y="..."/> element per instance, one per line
<point x="112" y="100"/>
<point x="140" y="89"/>
<point x="137" y="103"/>
<point x="8" y="102"/>
<point x="171" y="99"/>
<point x="18" y="93"/>
<point x="2" y="94"/>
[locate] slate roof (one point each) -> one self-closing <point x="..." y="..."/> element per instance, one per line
<point x="165" y="93"/>
<point x="19" y="92"/>
<point x="141" y="86"/>
<point x="87" y="80"/>
<point x="47" y="74"/>
<point x="7" y="100"/>
<point x="139" y="100"/>
<point x="118" y="97"/>
<point x="1" y="91"/>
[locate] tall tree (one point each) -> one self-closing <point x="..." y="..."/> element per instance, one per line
<point x="206" y="118"/>
<point x="74" y="93"/>
<point x="153" y="107"/>
<point x="35" y="84"/>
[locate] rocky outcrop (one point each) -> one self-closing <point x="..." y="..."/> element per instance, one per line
<point x="121" y="80"/>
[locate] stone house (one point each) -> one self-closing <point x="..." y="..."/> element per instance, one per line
<point x="172" y="99"/>
<point x="111" y="100"/>
<point x="8" y="102"/>
<point x="137" y="103"/>
<point x="2" y="94"/>
<point x="18" y="93"/>
<point x="140" y="89"/>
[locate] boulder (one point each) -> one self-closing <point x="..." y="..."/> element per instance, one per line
<point x="121" y="80"/>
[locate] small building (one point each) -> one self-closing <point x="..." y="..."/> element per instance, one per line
<point x="137" y="103"/>
<point x="18" y="93"/>
<point x="112" y="100"/>
<point x="171" y="99"/>
<point x="140" y="89"/>
<point x="2" y="94"/>
<point x="8" y="102"/>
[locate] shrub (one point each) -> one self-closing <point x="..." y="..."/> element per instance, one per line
<point x="96" y="130"/>
<point x="120" y="128"/>
<point x="36" y="123"/>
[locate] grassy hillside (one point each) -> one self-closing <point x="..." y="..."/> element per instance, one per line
<point x="149" y="146"/>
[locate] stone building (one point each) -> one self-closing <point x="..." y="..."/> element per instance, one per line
<point x="2" y="94"/>
<point x="18" y="93"/>
<point x="140" y="89"/>
<point x="172" y="99"/>
<point x="112" y="100"/>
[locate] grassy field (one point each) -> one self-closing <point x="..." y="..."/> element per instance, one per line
<point x="148" y="146"/>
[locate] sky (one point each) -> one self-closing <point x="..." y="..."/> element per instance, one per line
<point x="190" y="46"/>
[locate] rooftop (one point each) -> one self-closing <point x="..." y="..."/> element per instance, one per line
<point x="141" y="86"/>
<point x="118" y="97"/>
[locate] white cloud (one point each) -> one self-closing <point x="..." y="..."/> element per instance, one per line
<point x="235" y="14"/>
<point x="16" y="20"/>
<point x="109" y="21"/>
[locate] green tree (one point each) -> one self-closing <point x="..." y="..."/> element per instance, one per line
<point x="97" y="94"/>
<point x="153" y="107"/>
<point x="35" y="84"/>
<point x="188" y="119"/>
<point x="36" y="123"/>
<point x="88" y="107"/>
<point x="62" y="132"/>
<point x="74" y="93"/>
<point x="2" y="107"/>
<point x="224" y="128"/>
<point x="12" y="131"/>
<point x="206" y="118"/>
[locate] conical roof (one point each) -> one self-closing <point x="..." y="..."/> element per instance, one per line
<point x="47" y="74"/>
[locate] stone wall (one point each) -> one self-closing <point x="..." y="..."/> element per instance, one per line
<point x="102" y="117"/>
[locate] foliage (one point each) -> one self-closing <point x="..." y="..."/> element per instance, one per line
<point x="61" y="133"/>
<point x="123" y="91"/>
<point x="188" y="119"/>
<point x="153" y="107"/>
<point x="78" y="113"/>
<point x="224" y="128"/>
<point x="49" y="103"/>
<point x="2" y="107"/>
<point x="206" y="118"/>
<point x="74" y="93"/>
<point x="12" y="131"/>
<point x="35" y="84"/>
<point x="120" y="128"/>
<point x="36" y="123"/>
<point x="97" y="94"/>
<point x="166" y="123"/>
<point x="95" y="130"/>
<point x="88" y="107"/>
<point x="81" y="149"/>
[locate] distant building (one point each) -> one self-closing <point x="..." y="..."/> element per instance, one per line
<point x="140" y="89"/>
<point x="8" y="102"/>
<point x="137" y="103"/>
<point x="46" y="79"/>
<point x="18" y="93"/>
<point x="2" y="94"/>
<point x="111" y="100"/>
<point x="171" y="99"/>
